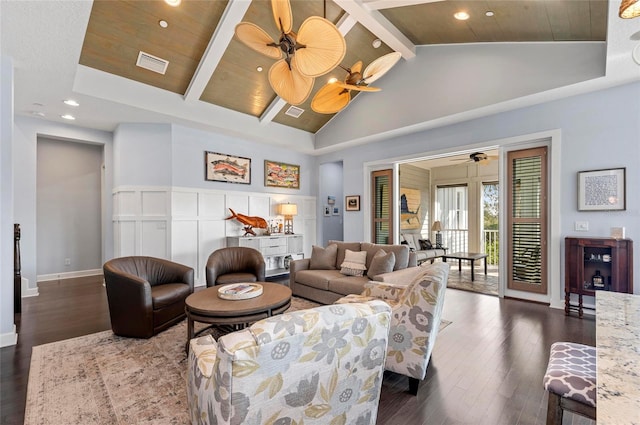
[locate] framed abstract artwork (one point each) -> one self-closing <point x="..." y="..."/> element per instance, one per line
<point x="280" y="174"/>
<point x="352" y="203"/>
<point x="220" y="167"/>
<point x="602" y="190"/>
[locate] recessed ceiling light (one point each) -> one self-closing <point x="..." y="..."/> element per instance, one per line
<point x="68" y="117"/>
<point x="71" y="102"/>
<point x="173" y="3"/>
<point x="37" y="104"/>
<point x="376" y="43"/>
<point x="332" y="80"/>
<point x="163" y="23"/>
<point x="37" y="113"/>
<point x="259" y="68"/>
<point x="461" y="16"/>
<point x="489" y="13"/>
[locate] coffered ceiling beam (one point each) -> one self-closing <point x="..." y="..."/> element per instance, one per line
<point x="375" y="22"/>
<point x="344" y="25"/>
<point x="388" y="4"/>
<point x="219" y="42"/>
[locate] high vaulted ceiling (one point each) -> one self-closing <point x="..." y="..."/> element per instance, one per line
<point x="212" y="80"/>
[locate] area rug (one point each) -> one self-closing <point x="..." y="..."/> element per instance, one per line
<point x="482" y="284"/>
<point x="102" y="379"/>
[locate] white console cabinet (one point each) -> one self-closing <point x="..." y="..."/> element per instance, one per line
<point x="274" y="249"/>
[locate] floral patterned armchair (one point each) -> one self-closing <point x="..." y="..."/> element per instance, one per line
<point x="415" y="318"/>
<point x="318" y="366"/>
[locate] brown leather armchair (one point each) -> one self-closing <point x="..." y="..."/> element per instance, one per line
<point x="234" y="265"/>
<point x="146" y="295"/>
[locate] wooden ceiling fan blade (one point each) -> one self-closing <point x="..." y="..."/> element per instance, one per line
<point x="330" y="99"/>
<point x="257" y="39"/>
<point x="324" y="47"/>
<point x="356" y="67"/>
<point x="282" y="15"/>
<point x="380" y="66"/>
<point x="358" y="88"/>
<point x="289" y="84"/>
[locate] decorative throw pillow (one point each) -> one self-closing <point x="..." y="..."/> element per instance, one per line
<point x="323" y="258"/>
<point x="382" y="262"/>
<point x="425" y="244"/>
<point x="354" y="263"/>
<point x="411" y="243"/>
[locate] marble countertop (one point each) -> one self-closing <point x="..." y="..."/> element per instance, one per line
<point x="618" y="358"/>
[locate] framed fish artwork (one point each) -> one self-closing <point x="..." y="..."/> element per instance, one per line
<point x="221" y="167"/>
<point x="280" y="174"/>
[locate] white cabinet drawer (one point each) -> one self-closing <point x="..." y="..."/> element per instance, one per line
<point x="274" y="250"/>
<point x="273" y="241"/>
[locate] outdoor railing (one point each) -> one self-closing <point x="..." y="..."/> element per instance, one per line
<point x="458" y="241"/>
<point x="491" y="246"/>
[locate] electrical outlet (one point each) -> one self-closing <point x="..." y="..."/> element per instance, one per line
<point x="67" y="261"/>
<point x="581" y="226"/>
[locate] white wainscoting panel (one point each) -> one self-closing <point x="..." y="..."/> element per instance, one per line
<point x="309" y="229"/>
<point x="124" y="234"/>
<point x="184" y="204"/>
<point x="212" y="237"/>
<point x="184" y="242"/>
<point x="212" y="205"/>
<point x="126" y="203"/>
<point x="154" y="203"/>
<point x="186" y="225"/>
<point x="260" y="206"/>
<point x="154" y="239"/>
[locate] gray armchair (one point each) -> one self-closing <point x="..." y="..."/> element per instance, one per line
<point x="145" y="294"/>
<point x="235" y="265"/>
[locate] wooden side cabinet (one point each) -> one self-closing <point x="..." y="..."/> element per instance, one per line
<point x="596" y="264"/>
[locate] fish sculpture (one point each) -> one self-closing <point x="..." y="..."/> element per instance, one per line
<point x="249" y="222"/>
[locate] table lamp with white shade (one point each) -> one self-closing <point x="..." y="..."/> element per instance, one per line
<point x="437" y="227"/>
<point x="288" y="211"/>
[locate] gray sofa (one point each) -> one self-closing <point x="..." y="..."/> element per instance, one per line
<point x="422" y="255"/>
<point x="328" y="285"/>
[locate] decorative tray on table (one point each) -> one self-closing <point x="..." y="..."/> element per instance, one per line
<point x="240" y="291"/>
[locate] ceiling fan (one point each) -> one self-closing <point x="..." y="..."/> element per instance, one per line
<point x="316" y="49"/>
<point x="333" y="97"/>
<point x="479" y="157"/>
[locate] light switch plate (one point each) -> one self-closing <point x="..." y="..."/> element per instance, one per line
<point x="581" y="226"/>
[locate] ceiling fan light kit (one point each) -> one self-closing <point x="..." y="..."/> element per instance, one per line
<point x="316" y="49"/>
<point x="629" y="9"/>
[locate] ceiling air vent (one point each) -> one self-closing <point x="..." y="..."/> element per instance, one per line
<point x="152" y="63"/>
<point x="294" y="111"/>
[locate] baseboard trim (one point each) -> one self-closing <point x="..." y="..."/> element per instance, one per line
<point x="9" y="338"/>
<point x="68" y="275"/>
<point x="28" y="292"/>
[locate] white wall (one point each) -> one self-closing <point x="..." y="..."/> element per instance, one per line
<point x="68" y="207"/>
<point x="26" y="132"/>
<point x="142" y="155"/>
<point x="330" y="184"/>
<point x="188" y="169"/>
<point x="447" y="78"/>
<point x="8" y="334"/>
<point x="598" y="130"/>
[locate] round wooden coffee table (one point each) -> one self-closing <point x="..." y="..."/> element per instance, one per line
<point x="207" y="307"/>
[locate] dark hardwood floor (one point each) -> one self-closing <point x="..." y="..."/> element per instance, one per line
<point x="487" y="366"/>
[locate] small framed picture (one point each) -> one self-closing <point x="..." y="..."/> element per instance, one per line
<point x="352" y="203"/>
<point x="327" y="210"/>
<point x="602" y="190"/>
<point x="336" y="210"/>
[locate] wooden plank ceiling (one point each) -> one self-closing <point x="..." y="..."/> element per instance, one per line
<point x="118" y="30"/>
